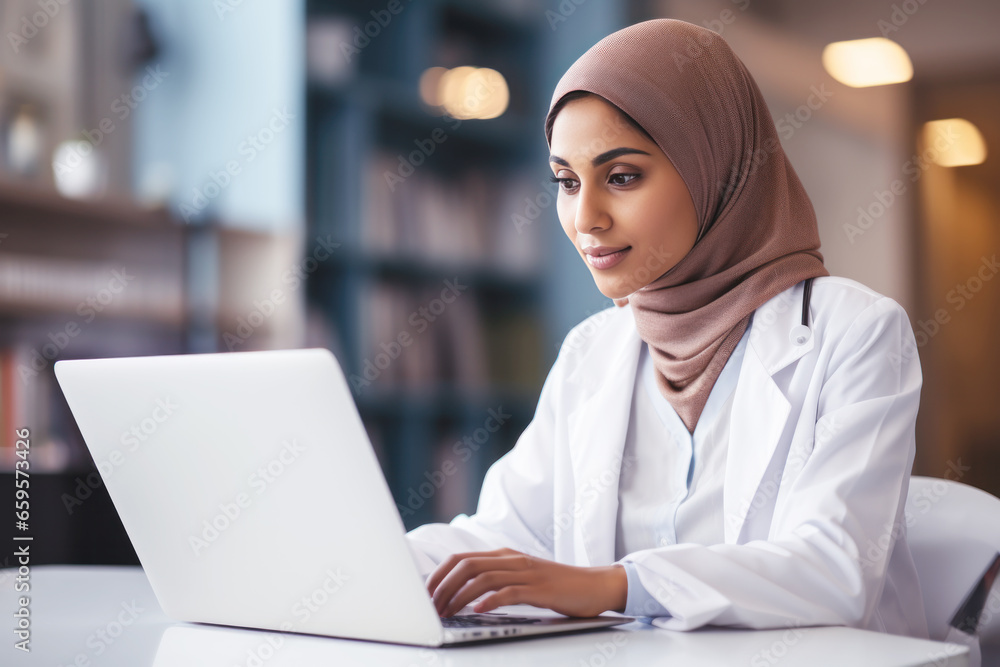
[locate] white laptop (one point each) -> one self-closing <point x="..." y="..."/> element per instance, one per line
<point x="253" y="498"/>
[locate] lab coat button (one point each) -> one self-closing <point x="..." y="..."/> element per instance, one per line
<point x="800" y="334"/>
<point x="664" y="541"/>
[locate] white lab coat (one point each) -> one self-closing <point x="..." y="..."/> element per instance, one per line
<point x="820" y="452"/>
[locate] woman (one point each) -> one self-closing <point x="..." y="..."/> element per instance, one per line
<point x="698" y="455"/>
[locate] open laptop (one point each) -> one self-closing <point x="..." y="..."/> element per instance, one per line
<point x="253" y="498"/>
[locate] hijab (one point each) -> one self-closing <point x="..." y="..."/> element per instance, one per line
<point x="757" y="231"/>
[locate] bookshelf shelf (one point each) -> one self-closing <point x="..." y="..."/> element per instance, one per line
<point x="444" y="401"/>
<point x="491" y="17"/>
<point x="418" y="269"/>
<point x="27" y="201"/>
<point x="66" y="260"/>
<point x="477" y="352"/>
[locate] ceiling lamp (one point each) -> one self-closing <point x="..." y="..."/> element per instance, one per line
<point x="867" y="62"/>
<point x="953" y="142"/>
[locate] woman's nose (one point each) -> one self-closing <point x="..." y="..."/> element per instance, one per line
<point x="591" y="213"/>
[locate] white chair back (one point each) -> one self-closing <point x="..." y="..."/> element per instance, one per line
<point x="953" y="531"/>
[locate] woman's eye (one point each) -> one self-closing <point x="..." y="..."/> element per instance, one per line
<point x="623" y="179"/>
<point x="570" y="184"/>
<point x="565" y="184"/>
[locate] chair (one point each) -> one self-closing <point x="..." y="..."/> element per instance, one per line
<point x="953" y="531"/>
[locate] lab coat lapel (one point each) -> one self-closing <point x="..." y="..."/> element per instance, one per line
<point x="597" y="441"/>
<point x="760" y="409"/>
<point x="599" y="425"/>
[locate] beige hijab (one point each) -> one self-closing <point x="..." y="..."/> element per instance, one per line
<point x="757" y="232"/>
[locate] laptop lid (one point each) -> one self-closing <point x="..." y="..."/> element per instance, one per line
<point x="251" y="493"/>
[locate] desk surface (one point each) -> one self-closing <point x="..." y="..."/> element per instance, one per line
<point x="108" y="616"/>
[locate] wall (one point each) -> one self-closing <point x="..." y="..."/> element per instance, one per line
<point x="231" y="75"/>
<point x="846" y="144"/>
<point x="223" y="139"/>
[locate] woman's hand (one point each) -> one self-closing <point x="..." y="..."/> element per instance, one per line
<point x="518" y="578"/>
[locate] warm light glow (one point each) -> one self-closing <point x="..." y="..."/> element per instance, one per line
<point x="452" y="91"/>
<point x="430" y="85"/>
<point x="867" y="62"/>
<point x="465" y="92"/>
<point x="953" y="142"/>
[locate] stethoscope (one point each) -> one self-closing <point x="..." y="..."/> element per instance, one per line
<point x="801" y="332"/>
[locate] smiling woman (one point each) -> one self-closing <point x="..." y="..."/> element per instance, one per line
<point x="698" y="456"/>
<point x="624" y="207"/>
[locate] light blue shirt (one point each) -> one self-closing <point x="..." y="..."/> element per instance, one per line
<point x="668" y="499"/>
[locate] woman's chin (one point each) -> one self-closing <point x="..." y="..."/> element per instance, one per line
<point x="613" y="291"/>
<point x="620" y="281"/>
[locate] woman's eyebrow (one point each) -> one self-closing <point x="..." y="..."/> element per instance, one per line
<point x="603" y="157"/>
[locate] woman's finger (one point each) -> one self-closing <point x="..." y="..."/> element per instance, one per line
<point x="465" y="570"/>
<point x="491" y="580"/>
<point x="468" y="568"/>
<point x="445" y="566"/>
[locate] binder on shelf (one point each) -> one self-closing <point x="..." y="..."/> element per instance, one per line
<point x="515" y="359"/>
<point x="452" y="478"/>
<point x="377" y="365"/>
<point x="379" y="222"/>
<point x="518" y="232"/>
<point x="28" y="400"/>
<point x="418" y="358"/>
<point x="467" y="344"/>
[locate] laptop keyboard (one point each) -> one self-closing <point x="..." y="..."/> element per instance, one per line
<point x="480" y="620"/>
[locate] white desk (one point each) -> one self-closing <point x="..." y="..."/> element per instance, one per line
<point x="108" y="616"/>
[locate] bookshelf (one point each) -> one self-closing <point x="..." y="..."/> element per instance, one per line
<point x="77" y="279"/>
<point x="433" y="302"/>
<point x="108" y="278"/>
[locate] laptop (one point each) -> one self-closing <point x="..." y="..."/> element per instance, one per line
<point x="253" y="498"/>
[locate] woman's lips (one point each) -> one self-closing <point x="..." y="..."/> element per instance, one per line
<point x="601" y="257"/>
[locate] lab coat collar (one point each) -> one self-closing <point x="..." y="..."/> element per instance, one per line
<point x="599" y="425"/>
<point x="772" y="325"/>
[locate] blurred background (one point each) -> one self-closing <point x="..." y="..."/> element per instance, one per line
<point x="179" y="176"/>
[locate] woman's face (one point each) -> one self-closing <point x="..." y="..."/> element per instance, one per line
<point x="621" y="202"/>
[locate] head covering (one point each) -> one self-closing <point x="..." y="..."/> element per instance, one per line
<point x="757" y="232"/>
